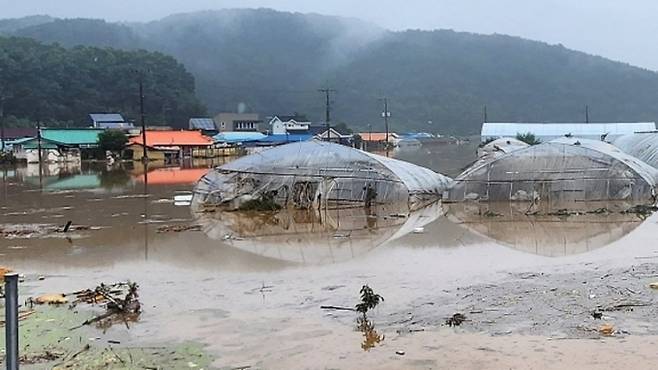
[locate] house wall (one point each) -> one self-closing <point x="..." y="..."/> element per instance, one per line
<point x="238" y="122"/>
<point x="154" y="155"/>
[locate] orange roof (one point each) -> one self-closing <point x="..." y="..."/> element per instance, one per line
<point x="376" y="136"/>
<point x="169" y="176"/>
<point x="172" y="138"/>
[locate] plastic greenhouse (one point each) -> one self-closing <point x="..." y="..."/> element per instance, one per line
<point x="643" y="146"/>
<point x="563" y="170"/>
<point x="316" y="174"/>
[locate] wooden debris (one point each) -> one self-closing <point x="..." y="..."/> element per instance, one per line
<point x="56" y="298"/>
<point x="607" y="330"/>
<point x="178" y="228"/>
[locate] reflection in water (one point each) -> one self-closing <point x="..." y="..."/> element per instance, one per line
<point x="371" y="338"/>
<point x="550" y="234"/>
<point x="311" y="236"/>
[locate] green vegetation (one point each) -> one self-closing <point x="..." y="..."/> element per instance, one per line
<point x="274" y="62"/>
<point x="47" y="341"/>
<point x="61" y="86"/>
<point x="112" y="140"/>
<point x="369" y="300"/>
<point x="528" y="138"/>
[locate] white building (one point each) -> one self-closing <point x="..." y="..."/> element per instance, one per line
<point x="281" y="125"/>
<point x="550" y="131"/>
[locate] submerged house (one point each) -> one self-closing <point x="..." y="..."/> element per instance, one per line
<point x="171" y="145"/>
<point x="550" y="131"/>
<point x="59" y="145"/>
<point x="561" y="172"/>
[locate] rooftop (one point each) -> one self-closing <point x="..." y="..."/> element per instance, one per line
<point x="106" y="117"/>
<point x="72" y="136"/>
<point x="207" y="124"/>
<point x="171" y="138"/>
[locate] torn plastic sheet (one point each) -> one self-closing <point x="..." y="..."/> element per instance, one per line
<point x="315" y="174"/>
<point x="562" y="170"/>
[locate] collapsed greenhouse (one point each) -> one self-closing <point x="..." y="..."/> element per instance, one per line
<point x="562" y="170"/>
<point x="643" y="146"/>
<point x="316" y="174"/>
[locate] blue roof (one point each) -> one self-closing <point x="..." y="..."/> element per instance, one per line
<point x="233" y="137"/>
<point x="283" y="138"/>
<point x="207" y="124"/>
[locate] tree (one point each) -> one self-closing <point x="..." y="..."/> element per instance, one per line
<point x="112" y="140"/>
<point x="528" y="138"/>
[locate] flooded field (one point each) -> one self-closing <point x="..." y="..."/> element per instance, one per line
<point x="247" y="290"/>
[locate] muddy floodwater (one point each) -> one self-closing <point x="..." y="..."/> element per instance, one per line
<point x="534" y="291"/>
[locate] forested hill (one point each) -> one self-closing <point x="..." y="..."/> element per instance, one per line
<point x="61" y="86"/>
<point x="274" y="62"/>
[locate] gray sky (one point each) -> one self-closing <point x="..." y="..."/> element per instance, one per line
<point x="619" y="30"/>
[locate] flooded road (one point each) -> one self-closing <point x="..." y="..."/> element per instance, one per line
<point x="250" y="287"/>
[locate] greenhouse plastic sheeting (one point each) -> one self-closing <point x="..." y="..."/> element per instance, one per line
<point x="318" y="174"/>
<point x="642" y="146"/>
<point x="500" y="147"/>
<point x="565" y="169"/>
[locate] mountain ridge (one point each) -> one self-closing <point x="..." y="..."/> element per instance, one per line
<point x="274" y="62"/>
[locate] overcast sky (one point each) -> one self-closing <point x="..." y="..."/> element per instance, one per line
<point x="624" y="30"/>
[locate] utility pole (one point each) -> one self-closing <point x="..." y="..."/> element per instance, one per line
<point x="485" y="114"/>
<point x="586" y="113"/>
<point x="2" y="124"/>
<point x="145" y="157"/>
<point x="386" y="114"/>
<point x="327" y="92"/>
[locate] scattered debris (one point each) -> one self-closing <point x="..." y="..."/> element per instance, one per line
<point x="178" y="228"/>
<point x="607" y="330"/>
<point x="653" y="285"/>
<point x="456" y="320"/>
<point x="597" y="315"/>
<point x="642" y="211"/>
<point x="56" y="298"/>
<point x="337" y="308"/>
<point x="120" y="300"/>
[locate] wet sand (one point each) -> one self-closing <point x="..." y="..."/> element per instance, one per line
<point x="261" y="307"/>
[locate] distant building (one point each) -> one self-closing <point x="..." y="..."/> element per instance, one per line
<point x="109" y="121"/>
<point x="171" y="145"/>
<point x="334" y="136"/>
<point x="295" y="124"/>
<point x="238" y="122"/>
<point x="206" y="125"/>
<point x="550" y="131"/>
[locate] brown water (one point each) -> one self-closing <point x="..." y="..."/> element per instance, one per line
<point x="251" y="287"/>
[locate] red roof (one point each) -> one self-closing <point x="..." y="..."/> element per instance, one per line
<point x="173" y="138"/>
